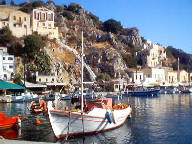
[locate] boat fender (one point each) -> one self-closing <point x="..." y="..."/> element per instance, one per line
<point x="113" y="116"/>
<point x="109" y="117"/>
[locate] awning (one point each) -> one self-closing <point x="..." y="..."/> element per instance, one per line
<point x="32" y="85"/>
<point x="6" y="85"/>
<point x="56" y="84"/>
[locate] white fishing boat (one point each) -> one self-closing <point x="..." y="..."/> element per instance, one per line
<point x="97" y="116"/>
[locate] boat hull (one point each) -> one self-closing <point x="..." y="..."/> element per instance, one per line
<point x="142" y="93"/>
<point x="95" y="121"/>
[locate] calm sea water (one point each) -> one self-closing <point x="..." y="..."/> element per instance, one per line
<point x="164" y="119"/>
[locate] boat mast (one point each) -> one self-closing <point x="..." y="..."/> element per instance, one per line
<point x="82" y="66"/>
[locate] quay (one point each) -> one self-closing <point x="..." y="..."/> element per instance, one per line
<point x="5" y="141"/>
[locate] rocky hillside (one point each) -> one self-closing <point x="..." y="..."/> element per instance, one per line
<point x="106" y="44"/>
<point x="103" y="49"/>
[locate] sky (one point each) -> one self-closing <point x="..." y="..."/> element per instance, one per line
<point x="168" y="22"/>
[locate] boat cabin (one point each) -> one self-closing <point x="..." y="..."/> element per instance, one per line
<point x="100" y="103"/>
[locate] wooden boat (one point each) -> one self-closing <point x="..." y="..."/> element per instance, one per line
<point x="8" y="121"/>
<point x="98" y="116"/>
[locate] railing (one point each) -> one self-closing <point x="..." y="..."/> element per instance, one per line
<point x="92" y="74"/>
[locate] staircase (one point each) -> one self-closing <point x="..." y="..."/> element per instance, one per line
<point x="91" y="73"/>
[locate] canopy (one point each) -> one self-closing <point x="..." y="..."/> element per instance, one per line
<point x="7" y="85"/>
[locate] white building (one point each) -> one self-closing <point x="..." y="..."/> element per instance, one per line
<point x="152" y="55"/>
<point x="7" y="66"/>
<point x="43" y="22"/>
<point x="17" y="21"/>
<point x="154" y="75"/>
<point x="136" y="76"/>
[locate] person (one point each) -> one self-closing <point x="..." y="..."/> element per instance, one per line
<point x="39" y="107"/>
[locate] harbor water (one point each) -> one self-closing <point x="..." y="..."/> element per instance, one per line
<point x="163" y="119"/>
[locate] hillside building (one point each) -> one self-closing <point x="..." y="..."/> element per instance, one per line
<point x="154" y="75"/>
<point x="171" y="77"/>
<point x="17" y="21"/>
<point x="152" y="55"/>
<point x="136" y="76"/>
<point x="7" y="66"/>
<point x="43" y="23"/>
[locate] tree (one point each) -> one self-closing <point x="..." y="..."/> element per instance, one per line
<point x="74" y="7"/>
<point x="6" y="36"/>
<point x="103" y="76"/>
<point x="112" y="25"/>
<point x="16" y="49"/>
<point x="68" y="15"/>
<point x="94" y="18"/>
<point x="130" y="61"/>
<point x="33" y="44"/>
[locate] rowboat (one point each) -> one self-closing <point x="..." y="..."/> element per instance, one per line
<point x="97" y="116"/>
<point x="8" y="121"/>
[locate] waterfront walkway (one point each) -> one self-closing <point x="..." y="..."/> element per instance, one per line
<point x="5" y="141"/>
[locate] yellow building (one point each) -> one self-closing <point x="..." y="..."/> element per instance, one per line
<point x="17" y="21"/>
<point x="152" y="55"/>
<point x="171" y="77"/>
<point x="43" y="22"/>
<point x="183" y="76"/>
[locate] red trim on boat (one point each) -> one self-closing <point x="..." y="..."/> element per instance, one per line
<point x="80" y="118"/>
<point x="67" y="112"/>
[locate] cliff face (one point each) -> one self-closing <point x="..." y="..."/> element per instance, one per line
<point x="102" y="49"/>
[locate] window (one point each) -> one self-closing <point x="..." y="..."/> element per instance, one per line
<point x="43" y="24"/>
<point x="19" y="19"/>
<point x="14" y="17"/>
<point x="10" y="58"/>
<point x="3" y="58"/>
<point x="49" y="25"/>
<point x="35" y="15"/>
<point x="53" y="79"/>
<point x="40" y="79"/>
<point x="3" y="23"/>
<point x="10" y="66"/>
<point x="25" y="26"/>
<point x="46" y="80"/>
<point x="14" y="25"/>
<point x="25" y="18"/>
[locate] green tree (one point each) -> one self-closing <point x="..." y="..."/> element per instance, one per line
<point x="6" y="36"/>
<point x="112" y="25"/>
<point x="130" y="61"/>
<point x="17" y="79"/>
<point x="74" y="7"/>
<point x="43" y="63"/>
<point x="16" y="49"/>
<point x="68" y="15"/>
<point x="103" y="76"/>
<point x="94" y="18"/>
<point x="38" y="4"/>
<point x="33" y="44"/>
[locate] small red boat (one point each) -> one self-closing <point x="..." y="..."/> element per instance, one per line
<point x="8" y="121"/>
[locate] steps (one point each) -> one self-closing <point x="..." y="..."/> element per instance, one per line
<point x="91" y="73"/>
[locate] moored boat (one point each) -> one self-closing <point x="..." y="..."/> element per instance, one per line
<point x="97" y="116"/>
<point x="8" y="121"/>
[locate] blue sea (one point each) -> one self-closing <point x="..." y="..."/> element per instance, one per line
<point x="165" y="119"/>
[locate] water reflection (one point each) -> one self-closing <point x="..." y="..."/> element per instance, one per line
<point x="162" y="119"/>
